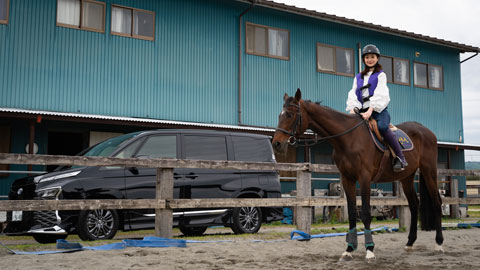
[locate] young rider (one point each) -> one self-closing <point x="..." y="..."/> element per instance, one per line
<point x="371" y="95"/>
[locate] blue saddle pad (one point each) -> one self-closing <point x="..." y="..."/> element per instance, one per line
<point x="402" y="137"/>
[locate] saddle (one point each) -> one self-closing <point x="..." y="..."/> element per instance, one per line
<point x="405" y="143"/>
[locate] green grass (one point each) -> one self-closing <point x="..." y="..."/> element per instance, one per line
<point x="474" y="214"/>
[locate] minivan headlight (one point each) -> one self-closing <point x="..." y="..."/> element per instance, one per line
<point x="59" y="176"/>
<point x="49" y="193"/>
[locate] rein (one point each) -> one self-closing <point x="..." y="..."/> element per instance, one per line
<point x="292" y="140"/>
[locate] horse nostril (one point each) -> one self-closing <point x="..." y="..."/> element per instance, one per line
<point x="277" y="144"/>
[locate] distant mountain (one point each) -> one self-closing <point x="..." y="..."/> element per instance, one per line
<point x="472" y="165"/>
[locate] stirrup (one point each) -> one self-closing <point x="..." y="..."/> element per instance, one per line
<point x="399" y="165"/>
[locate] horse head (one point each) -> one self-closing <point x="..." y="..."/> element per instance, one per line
<point x="290" y="123"/>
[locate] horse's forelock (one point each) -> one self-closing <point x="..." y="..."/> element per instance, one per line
<point x="288" y="101"/>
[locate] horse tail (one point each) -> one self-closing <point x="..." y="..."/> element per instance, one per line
<point x="430" y="203"/>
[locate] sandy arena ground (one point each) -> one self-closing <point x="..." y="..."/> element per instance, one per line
<point x="462" y="251"/>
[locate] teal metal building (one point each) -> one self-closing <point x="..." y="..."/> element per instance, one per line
<point x="75" y="72"/>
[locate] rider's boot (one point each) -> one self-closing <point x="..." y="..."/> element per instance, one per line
<point x="400" y="162"/>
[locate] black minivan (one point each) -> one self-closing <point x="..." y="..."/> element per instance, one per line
<point x="111" y="182"/>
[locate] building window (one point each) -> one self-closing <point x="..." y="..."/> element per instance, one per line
<point x="4" y="8"/>
<point x="428" y="76"/>
<point x="397" y="70"/>
<point x="81" y="14"/>
<point x="336" y="60"/>
<point x="267" y="41"/>
<point x="131" y="22"/>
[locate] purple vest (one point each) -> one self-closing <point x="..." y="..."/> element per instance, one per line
<point x="373" y="81"/>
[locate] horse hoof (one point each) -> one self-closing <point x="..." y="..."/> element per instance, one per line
<point x="439" y="249"/>
<point x="409" y="248"/>
<point x="346" y="257"/>
<point x="370" y="257"/>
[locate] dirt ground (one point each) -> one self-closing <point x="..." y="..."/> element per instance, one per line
<point x="462" y="251"/>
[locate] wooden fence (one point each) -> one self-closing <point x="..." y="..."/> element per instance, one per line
<point x="164" y="203"/>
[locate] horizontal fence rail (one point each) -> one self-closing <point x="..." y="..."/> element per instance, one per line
<point x="164" y="204"/>
<point x="182" y="163"/>
<point x="40" y="205"/>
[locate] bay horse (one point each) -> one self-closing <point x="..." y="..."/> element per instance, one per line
<point x="358" y="159"/>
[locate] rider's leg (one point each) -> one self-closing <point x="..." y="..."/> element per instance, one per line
<point x="383" y="122"/>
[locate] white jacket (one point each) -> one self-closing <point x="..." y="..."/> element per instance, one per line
<point x="380" y="99"/>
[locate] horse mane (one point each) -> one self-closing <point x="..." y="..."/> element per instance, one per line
<point x="331" y="112"/>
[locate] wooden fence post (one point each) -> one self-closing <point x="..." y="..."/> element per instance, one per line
<point x="304" y="190"/>
<point x="454" y="208"/>
<point x="404" y="212"/>
<point x="164" y="191"/>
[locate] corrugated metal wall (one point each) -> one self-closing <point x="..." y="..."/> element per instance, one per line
<point x="189" y="72"/>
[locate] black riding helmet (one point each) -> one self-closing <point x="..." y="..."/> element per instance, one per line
<point x="370" y="48"/>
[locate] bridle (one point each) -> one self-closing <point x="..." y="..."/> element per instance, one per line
<point x="292" y="140"/>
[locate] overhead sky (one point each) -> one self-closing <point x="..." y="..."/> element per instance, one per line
<point x="456" y="21"/>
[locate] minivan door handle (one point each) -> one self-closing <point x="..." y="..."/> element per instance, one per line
<point x="176" y="176"/>
<point x="191" y="175"/>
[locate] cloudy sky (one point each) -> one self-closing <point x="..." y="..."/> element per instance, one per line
<point x="456" y="21"/>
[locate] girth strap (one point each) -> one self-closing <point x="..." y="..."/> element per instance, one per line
<point x="383" y="165"/>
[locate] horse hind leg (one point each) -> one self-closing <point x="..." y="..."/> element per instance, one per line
<point x="430" y="205"/>
<point x="411" y="195"/>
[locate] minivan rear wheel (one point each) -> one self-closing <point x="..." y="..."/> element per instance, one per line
<point x="192" y="231"/>
<point x="246" y="220"/>
<point x="97" y="224"/>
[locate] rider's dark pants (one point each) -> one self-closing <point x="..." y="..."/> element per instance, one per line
<point x="383" y="121"/>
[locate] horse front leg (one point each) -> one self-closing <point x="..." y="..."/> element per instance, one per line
<point x="366" y="218"/>
<point x="352" y="242"/>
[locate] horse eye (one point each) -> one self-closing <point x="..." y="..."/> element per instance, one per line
<point x="289" y="115"/>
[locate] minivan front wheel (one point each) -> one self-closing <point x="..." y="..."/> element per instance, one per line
<point x="246" y="220"/>
<point x="97" y="224"/>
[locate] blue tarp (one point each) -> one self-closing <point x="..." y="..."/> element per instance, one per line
<point x="64" y="246"/>
<point x="302" y="236"/>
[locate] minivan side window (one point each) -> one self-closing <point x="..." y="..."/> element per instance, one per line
<point x="251" y="149"/>
<point x="129" y="150"/>
<point x="205" y="147"/>
<point x="159" y="147"/>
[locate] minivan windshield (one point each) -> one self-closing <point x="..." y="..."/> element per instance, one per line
<point x="106" y="148"/>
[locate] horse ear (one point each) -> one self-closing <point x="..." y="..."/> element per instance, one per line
<point x="298" y="95"/>
<point x="285" y="97"/>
